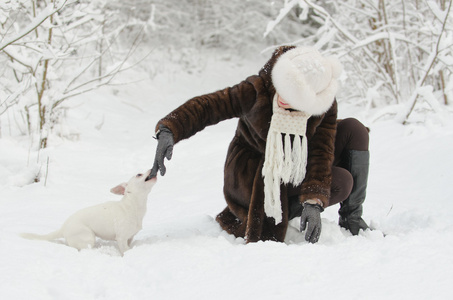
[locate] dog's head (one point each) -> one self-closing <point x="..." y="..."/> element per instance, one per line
<point x="137" y="185"/>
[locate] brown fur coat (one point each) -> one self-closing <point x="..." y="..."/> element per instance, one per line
<point x="251" y="102"/>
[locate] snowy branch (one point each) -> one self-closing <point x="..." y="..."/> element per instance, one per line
<point x="44" y="15"/>
<point x="283" y="12"/>
<point x="99" y="81"/>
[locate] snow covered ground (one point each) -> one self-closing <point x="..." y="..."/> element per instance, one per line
<point x="182" y="253"/>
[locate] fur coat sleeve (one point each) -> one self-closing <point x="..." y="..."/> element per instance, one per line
<point x="199" y="112"/>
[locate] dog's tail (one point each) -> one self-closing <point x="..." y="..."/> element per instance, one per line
<point x="44" y="237"/>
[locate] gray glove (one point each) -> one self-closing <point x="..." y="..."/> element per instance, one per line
<point x="311" y="214"/>
<point x="165" y="142"/>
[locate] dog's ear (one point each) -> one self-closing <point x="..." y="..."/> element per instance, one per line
<point x="119" y="189"/>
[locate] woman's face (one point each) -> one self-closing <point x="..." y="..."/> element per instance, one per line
<point x="281" y="103"/>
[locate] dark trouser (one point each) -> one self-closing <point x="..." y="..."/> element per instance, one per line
<point x="351" y="136"/>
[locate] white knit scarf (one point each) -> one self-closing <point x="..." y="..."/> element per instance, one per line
<point x="283" y="163"/>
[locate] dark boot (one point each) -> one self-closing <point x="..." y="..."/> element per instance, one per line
<point x="351" y="209"/>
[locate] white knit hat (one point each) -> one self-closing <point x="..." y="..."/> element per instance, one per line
<point x="306" y="80"/>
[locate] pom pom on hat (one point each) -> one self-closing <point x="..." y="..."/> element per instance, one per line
<point x="306" y="80"/>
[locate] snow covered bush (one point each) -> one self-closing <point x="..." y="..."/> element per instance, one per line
<point x="54" y="50"/>
<point x="397" y="55"/>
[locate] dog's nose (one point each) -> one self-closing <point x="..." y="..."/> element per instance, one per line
<point x="150" y="176"/>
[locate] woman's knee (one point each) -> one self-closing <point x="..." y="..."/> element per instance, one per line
<point x="353" y="135"/>
<point x="342" y="183"/>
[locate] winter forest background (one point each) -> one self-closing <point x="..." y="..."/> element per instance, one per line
<point x="83" y="82"/>
<point x="397" y="54"/>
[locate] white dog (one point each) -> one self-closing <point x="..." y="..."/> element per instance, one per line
<point x="113" y="220"/>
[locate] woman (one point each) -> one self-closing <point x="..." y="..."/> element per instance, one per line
<point x="280" y="162"/>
